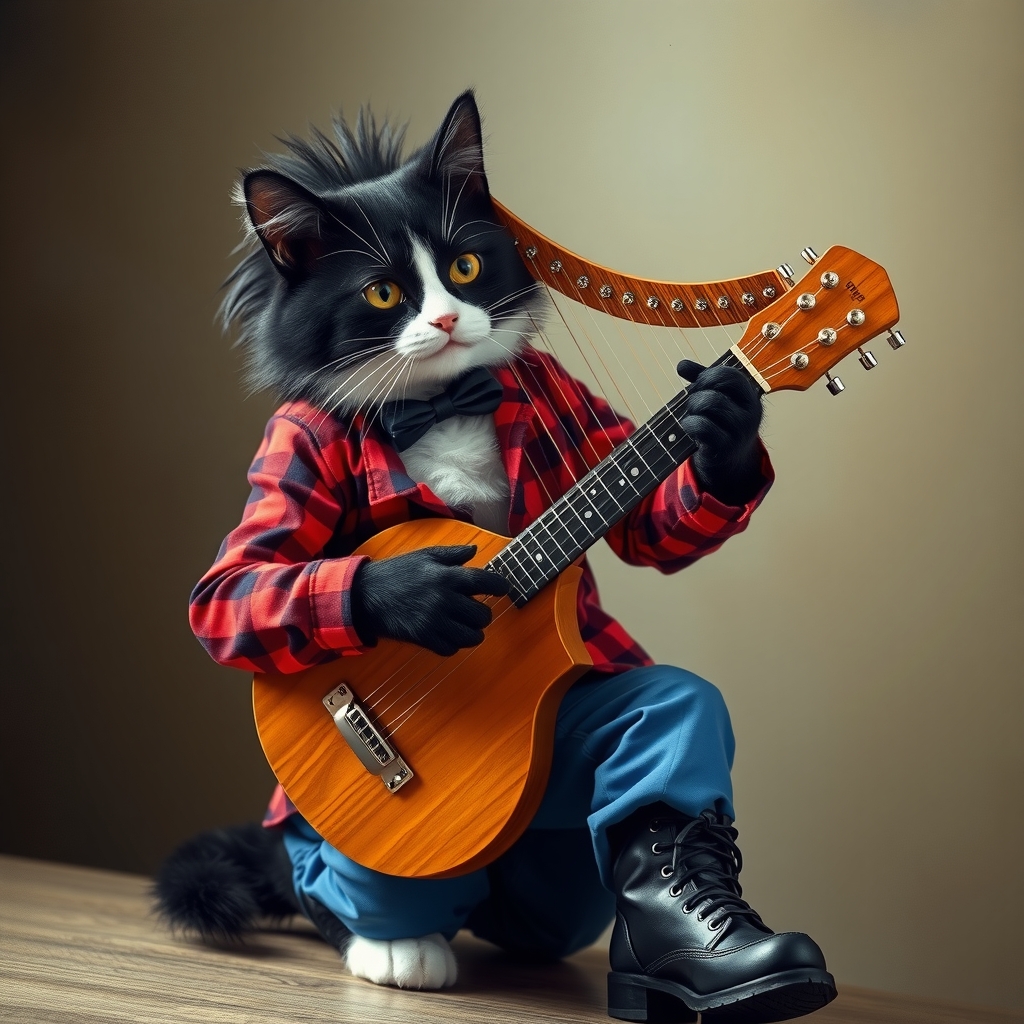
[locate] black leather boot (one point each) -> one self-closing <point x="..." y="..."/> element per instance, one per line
<point x="686" y="941"/>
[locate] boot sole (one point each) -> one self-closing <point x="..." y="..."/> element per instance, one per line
<point x="775" y="997"/>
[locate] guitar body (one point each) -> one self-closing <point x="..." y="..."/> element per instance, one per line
<point x="476" y="729"/>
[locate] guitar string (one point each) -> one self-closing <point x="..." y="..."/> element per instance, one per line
<point x="569" y="330"/>
<point x="582" y="396"/>
<point x="599" y="387"/>
<point x="663" y="364"/>
<point x="613" y="378"/>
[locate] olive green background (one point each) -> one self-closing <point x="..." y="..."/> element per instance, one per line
<point x="865" y="630"/>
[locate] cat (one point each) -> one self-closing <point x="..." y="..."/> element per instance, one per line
<point x="368" y="279"/>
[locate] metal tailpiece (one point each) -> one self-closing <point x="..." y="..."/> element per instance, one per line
<point x="375" y="754"/>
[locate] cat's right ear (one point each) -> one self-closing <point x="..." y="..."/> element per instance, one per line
<point x="288" y="220"/>
<point x="456" y="154"/>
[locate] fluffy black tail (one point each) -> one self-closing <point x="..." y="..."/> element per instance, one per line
<point x="218" y="884"/>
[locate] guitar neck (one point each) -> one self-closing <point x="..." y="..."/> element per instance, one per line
<point x="599" y="500"/>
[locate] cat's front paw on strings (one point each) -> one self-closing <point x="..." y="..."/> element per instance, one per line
<point x="426" y="962"/>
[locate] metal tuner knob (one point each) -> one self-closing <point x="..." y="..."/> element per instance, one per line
<point x="867" y="359"/>
<point x="785" y="271"/>
<point x="834" y="384"/>
<point x="896" y="340"/>
<point x="810" y="255"/>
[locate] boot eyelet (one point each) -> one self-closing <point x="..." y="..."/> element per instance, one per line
<point x="675" y="890"/>
<point x="715" y="925"/>
<point x="700" y="917"/>
<point x="666" y="871"/>
<point x="656" y="849"/>
<point x="655" y="825"/>
<point x="687" y="909"/>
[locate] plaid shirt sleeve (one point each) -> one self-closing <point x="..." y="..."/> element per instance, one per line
<point x="678" y="522"/>
<point x="270" y="603"/>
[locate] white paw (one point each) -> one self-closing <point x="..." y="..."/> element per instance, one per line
<point x="427" y="962"/>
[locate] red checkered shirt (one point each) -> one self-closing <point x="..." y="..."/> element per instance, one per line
<point x="278" y="598"/>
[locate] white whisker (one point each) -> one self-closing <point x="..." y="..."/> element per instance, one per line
<point x="383" y="248"/>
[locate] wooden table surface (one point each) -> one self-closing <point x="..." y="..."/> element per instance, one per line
<point x="79" y="946"/>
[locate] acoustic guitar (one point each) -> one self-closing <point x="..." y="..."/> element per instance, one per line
<point x="423" y="766"/>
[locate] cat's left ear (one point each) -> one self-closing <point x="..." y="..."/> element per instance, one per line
<point x="456" y="153"/>
<point x="288" y="220"/>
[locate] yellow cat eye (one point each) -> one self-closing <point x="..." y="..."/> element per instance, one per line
<point x="383" y="294"/>
<point x="465" y="268"/>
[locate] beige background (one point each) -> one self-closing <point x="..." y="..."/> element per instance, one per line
<point x="865" y="629"/>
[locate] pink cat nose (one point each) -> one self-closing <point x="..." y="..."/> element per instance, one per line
<point x="446" y="322"/>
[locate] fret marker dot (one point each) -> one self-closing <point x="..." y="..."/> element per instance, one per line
<point x="587" y="515"/>
<point x="593" y="490"/>
<point x="635" y="471"/>
<point x="621" y="483"/>
<point x="540" y="558"/>
<point x="671" y="437"/>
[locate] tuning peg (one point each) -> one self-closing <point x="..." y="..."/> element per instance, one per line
<point x="896" y="340"/>
<point x="810" y="255"/>
<point x="867" y="359"/>
<point x="785" y="271"/>
<point x="834" y="384"/>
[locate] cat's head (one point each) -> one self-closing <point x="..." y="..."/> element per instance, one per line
<point x="369" y="278"/>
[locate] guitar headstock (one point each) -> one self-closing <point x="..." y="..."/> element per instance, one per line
<point x="837" y="308"/>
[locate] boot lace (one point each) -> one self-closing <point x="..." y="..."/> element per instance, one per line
<point x="704" y="852"/>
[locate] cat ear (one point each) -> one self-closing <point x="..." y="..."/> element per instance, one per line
<point x="288" y="220"/>
<point x="456" y="153"/>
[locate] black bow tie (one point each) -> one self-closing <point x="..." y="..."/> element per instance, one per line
<point x="473" y="394"/>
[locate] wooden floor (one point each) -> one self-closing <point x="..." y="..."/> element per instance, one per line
<point x="78" y="946"/>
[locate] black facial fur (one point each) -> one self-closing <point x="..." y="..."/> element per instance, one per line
<point x="333" y="216"/>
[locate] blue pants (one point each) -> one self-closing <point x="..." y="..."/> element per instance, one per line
<point x="621" y="742"/>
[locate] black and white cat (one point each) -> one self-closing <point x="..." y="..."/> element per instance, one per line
<point x="368" y="280"/>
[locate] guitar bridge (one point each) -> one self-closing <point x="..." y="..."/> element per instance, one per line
<point x="375" y="754"/>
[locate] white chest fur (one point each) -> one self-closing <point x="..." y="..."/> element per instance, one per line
<point x="459" y="460"/>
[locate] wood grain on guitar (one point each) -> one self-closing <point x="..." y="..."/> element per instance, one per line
<point x="476" y="731"/>
<point x="480" y="744"/>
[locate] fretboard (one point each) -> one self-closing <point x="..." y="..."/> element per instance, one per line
<point x="597" y="501"/>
